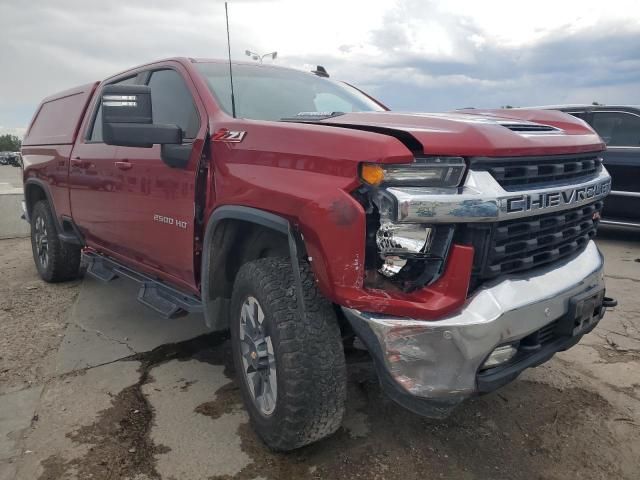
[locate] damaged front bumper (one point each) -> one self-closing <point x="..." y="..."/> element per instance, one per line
<point x="431" y="366"/>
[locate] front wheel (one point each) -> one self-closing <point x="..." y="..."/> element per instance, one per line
<point x="291" y="370"/>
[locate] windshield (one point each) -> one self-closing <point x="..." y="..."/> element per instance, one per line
<point x="270" y="93"/>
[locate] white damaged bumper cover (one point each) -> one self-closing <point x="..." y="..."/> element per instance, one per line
<point x="431" y="366"/>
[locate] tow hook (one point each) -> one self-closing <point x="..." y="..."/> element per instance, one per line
<point x="609" y="302"/>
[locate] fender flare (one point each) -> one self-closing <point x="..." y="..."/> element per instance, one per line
<point x="259" y="217"/>
<point x="74" y="236"/>
<point x="47" y="193"/>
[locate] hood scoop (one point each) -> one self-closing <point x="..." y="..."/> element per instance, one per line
<point x="529" y="127"/>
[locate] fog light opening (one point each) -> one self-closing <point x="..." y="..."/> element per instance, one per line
<point x="398" y="238"/>
<point x="392" y="266"/>
<point x="397" y="242"/>
<point x="500" y="356"/>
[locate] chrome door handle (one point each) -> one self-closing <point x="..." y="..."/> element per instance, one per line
<point x="124" y="165"/>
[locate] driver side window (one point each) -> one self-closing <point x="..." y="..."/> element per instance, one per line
<point x="172" y="103"/>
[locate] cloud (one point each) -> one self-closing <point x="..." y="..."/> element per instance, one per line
<point x="17" y="131"/>
<point x="412" y="54"/>
<point x="462" y="62"/>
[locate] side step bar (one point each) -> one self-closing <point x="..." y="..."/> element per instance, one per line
<point x="165" y="300"/>
<point x="619" y="223"/>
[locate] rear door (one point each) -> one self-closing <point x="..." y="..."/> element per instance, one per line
<point x="154" y="225"/>
<point x="621" y="132"/>
<point x="94" y="180"/>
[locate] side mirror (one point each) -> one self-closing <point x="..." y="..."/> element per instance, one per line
<point x="127" y="118"/>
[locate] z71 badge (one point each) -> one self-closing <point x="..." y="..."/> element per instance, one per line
<point x="228" y="136"/>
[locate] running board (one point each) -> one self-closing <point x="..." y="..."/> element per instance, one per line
<point x="160" y="297"/>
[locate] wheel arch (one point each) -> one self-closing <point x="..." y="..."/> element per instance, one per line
<point x="234" y="235"/>
<point x="34" y="191"/>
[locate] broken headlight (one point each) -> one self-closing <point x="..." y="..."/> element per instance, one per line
<point x="406" y="255"/>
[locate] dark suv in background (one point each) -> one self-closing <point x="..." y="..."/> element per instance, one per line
<point x="619" y="127"/>
<point x="11" y="158"/>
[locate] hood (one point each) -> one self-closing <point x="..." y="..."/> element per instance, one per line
<point x="489" y="133"/>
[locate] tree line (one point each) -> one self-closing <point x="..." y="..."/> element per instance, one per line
<point x="10" y="143"/>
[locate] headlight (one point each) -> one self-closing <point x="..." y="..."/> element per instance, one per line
<point x="423" y="172"/>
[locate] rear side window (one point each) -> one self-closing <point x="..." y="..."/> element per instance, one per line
<point x="57" y="120"/>
<point x="172" y="103"/>
<point x="618" y="129"/>
<point x="96" y="131"/>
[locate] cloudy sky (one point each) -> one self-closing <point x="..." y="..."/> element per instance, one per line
<point x="417" y="55"/>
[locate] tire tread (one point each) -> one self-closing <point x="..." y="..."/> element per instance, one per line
<point x="311" y="363"/>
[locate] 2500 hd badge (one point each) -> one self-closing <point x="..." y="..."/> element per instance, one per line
<point x="169" y="221"/>
<point x="536" y="201"/>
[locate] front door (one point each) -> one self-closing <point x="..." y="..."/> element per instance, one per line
<point x="95" y="181"/>
<point x="155" y="228"/>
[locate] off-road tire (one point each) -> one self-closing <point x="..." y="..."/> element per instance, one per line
<point x="63" y="258"/>
<point x="310" y="363"/>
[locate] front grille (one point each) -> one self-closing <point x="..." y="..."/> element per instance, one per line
<point x="547" y="333"/>
<point x="530" y="242"/>
<point x="531" y="172"/>
<point x="525" y="243"/>
<point x="541" y="337"/>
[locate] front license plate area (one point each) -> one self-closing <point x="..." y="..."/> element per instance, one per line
<point x="585" y="311"/>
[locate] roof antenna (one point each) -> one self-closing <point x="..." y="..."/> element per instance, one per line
<point x="233" y="100"/>
<point x="321" y="71"/>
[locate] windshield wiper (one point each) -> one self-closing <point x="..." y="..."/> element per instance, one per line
<point x="311" y="116"/>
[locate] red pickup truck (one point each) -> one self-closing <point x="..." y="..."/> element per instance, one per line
<point x="304" y="216"/>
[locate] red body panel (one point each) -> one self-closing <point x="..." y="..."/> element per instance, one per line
<point x="303" y="172"/>
<point x="58" y="117"/>
<point x="50" y="165"/>
<point x="470" y="134"/>
<point x="275" y="170"/>
<point x="47" y="145"/>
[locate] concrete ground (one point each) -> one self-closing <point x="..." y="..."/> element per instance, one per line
<point x="11" y="226"/>
<point x="10" y="178"/>
<point x="92" y="385"/>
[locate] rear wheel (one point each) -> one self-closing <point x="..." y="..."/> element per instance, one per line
<point x="55" y="260"/>
<point x="291" y="370"/>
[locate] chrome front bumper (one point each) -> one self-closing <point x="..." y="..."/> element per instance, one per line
<point x="430" y="366"/>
